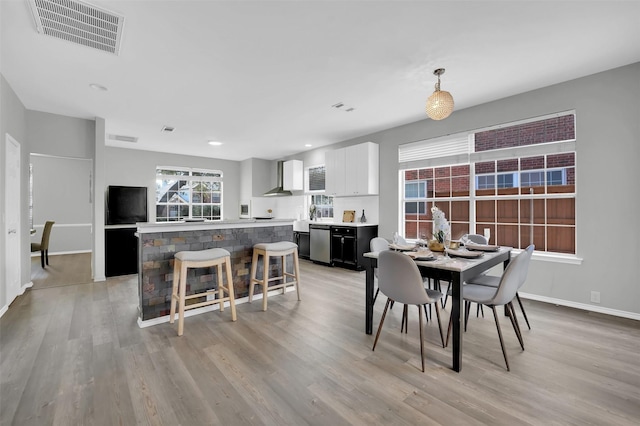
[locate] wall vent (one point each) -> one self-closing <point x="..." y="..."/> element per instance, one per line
<point x="79" y="22"/>
<point x="122" y="138"/>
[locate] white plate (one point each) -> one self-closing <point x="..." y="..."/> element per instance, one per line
<point x="464" y="253"/>
<point x="481" y="247"/>
<point x="423" y="255"/>
<point x="402" y="247"/>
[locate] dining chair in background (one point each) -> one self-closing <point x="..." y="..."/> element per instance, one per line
<point x="377" y="244"/>
<point x="43" y="245"/>
<point x="492" y="281"/>
<point x="399" y="239"/>
<point x="399" y="279"/>
<point x="476" y="239"/>
<point x="502" y="295"/>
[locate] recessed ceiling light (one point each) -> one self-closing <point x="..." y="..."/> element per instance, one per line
<point x="342" y="107"/>
<point x="100" y="87"/>
<point x="215" y="143"/>
<point x="308" y="145"/>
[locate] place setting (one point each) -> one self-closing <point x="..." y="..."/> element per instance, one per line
<point x="402" y="247"/>
<point x="421" y="255"/>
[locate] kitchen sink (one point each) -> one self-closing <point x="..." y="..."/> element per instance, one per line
<point x="301" y="226"/>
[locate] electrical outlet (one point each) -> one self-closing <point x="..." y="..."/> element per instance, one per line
<point x="595" y="297"/>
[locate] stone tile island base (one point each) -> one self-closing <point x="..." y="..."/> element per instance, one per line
<point x="158" y="242"/>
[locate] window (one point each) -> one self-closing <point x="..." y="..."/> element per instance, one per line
<point x="315" y="182"/>
<point x="485" y="182"/>
<point x="518" y="181"/>
<point x="415" y="189"/>
<point x="316" y="178"/>
<point x="183" y="193"/>
<point x="447" y="187"/>
<point x="324" y="205"/>
<point x="508" y="180"/>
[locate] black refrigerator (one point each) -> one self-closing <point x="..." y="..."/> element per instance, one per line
<point x="125" y="206"/>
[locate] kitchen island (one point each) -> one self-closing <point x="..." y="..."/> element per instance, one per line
<point x="158" y="243"/>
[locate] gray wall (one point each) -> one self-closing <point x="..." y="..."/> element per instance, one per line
<point x="61" y="142"/>
<point x="132" y="167"/>
<point x="59" y="135"/>
<point x="62" y="192"/>
<point x="13" y="121"/>
<point x="607" y="109"/>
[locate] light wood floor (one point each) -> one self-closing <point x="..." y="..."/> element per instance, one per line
<point x="62" y="270"/>
<point x="73" y="355"/>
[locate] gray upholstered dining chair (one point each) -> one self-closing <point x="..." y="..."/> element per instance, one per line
<point x="378" y="244"/>
<point x="493" y="281"/>
<point x="511" y="280"/>
<point x="399" y="279"/>
<point x="43" y="245"/>
<point x="474" y="238"/>
<point x="400" y="239"/>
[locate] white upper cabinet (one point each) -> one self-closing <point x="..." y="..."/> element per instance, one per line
<point x="334" y="163"/>
<point x="293" y="179"/>
<point x="353" y="171"/>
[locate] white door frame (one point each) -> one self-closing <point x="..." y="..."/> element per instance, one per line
<point x="12" y="229"/>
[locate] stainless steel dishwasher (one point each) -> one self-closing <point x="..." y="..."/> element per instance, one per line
<point x="320" y="243"/>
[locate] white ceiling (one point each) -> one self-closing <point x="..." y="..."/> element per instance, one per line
<point x="262" y="76"/>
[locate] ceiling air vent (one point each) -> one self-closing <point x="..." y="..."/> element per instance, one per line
<point x="168" y="129"/>
<point x="79" y="22"/>
<point x="122" y="138"/>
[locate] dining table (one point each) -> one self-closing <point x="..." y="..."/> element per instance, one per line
<point x="456" y="270"/>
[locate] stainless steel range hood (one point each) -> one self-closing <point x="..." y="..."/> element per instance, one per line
<point x="279" y="191"/>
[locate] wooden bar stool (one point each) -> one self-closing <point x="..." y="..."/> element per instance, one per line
<point x="200" y="259"/>
<point x="267" y="250"/>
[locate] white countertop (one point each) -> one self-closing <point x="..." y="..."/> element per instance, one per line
<point x="303" y="225"/>
<point x="149" y="227"/>
<point x="354" y="224"/>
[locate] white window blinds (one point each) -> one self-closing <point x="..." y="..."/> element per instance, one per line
<point x="448" y="150"/>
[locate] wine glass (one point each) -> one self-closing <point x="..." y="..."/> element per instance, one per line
<point x="446" y="241"/>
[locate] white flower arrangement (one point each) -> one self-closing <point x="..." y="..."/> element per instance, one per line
<point x="441" y="227"/>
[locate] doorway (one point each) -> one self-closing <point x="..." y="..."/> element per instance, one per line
<point x="61" y="191"/>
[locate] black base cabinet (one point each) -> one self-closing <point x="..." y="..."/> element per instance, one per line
<point x="349" y="243"/>
<point x="121" y="252"/>
<point x="304" y="245"/>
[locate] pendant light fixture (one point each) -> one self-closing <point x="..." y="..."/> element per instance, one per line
<point x="440" y="103"/>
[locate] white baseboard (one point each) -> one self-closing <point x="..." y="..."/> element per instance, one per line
<point x="37" y="253"/>
<point x="198" y="311"/>
<point x="583" y="306"/>
<point x="23" y="288"/>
